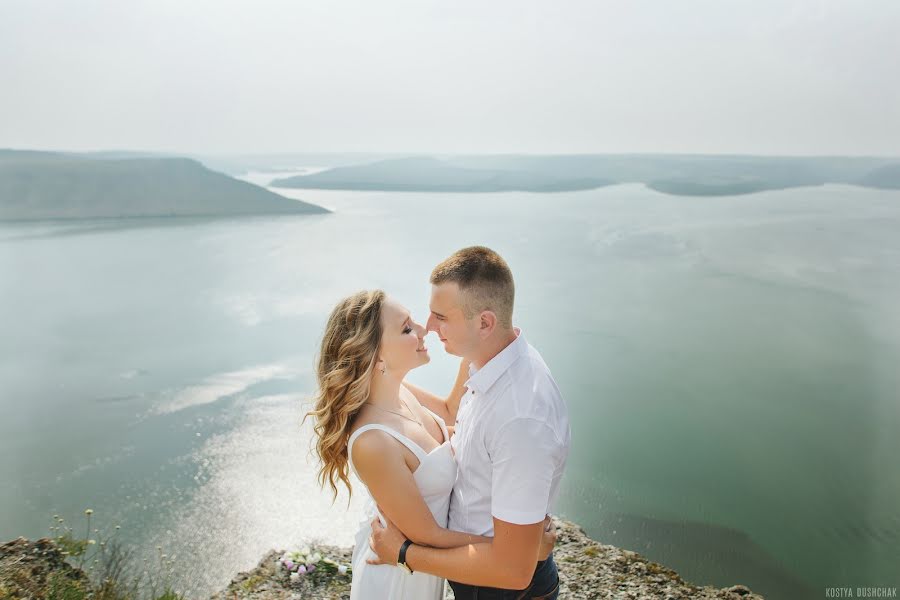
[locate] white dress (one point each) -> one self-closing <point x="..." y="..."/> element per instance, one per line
<point x="435" y="477"/>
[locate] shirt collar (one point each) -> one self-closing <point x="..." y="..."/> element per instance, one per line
<point x="482" y="379"/>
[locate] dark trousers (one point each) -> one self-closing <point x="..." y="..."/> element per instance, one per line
<point x="544" y="586"/>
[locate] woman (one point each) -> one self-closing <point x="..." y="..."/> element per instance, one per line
<point x="394" y="436"/>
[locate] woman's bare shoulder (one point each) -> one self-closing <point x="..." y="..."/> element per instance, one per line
<point x="373" y="440"/>
<point x="375" y="450"/>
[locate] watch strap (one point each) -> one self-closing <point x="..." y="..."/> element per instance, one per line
<point x="401" y="560"/>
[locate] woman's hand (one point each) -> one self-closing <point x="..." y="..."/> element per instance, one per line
<point x="385" y="543"/>
<point x="548" y="540"/>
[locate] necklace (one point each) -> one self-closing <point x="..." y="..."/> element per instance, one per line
<point x="394" y="412"/>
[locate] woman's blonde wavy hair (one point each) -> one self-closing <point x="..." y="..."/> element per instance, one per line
<point x="344" y="369"/>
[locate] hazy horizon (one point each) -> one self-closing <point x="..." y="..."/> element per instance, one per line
<point x="415" y="153"/>
<point x="798" y="78"/>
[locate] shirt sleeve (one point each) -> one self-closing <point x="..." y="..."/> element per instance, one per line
<point x="524" y="456"/>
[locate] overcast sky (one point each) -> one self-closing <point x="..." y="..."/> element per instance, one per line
<point x="215" y="76"/>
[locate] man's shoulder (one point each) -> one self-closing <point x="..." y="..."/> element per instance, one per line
<point x="526" y="392"/>
<point x="536" y="360"/>
<point x="535" y="393"/>
<point x="531" y="376"/>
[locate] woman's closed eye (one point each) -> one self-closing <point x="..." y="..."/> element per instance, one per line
<point x="407" y="329"/>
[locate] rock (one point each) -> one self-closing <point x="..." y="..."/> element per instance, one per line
<point x="740" y="590"/>
<point x="37" y="570"/>
<point x="588" y="570"/>
<point x="268" y="581"/>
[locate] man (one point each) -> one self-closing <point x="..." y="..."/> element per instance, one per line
<point x="511" y="442"/>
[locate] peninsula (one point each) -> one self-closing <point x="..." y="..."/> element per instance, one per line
<point x="684" y="175"/>
<point x="53" y="185"/>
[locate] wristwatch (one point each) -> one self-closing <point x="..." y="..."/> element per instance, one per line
<point x="401" y="560"/>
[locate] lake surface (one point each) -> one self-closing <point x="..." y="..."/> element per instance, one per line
<point x="730" y="365"/>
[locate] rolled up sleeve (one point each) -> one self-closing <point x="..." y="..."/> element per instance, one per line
<point x="525" y="455"/>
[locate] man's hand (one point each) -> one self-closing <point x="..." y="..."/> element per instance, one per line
<point x="548" y="540"/>
<point x="385" y="542"/>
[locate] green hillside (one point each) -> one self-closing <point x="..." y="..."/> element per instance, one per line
<point x="48" y="185"/>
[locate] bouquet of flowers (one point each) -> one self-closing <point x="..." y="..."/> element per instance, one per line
<point x="303" y="562"/>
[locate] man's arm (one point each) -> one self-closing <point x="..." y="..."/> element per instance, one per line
<point x="508" y="561"/>
<point x="524" y="455"/>
<point x="447" y="407"/>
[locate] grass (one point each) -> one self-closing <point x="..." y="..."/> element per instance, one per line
<point x="85" y="563"/>
<point x="111" y="570"/>
<point x="60" y="587"/>
<point x="250" y="583"/>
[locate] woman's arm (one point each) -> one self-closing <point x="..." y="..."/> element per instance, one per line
<point x="441" y="537"/>
<point x="379" y="460"/>
<point x="459" y="389"/>
<point x="447" y="407"/>
<point x="447" y="538"/>
<point x="444" y="538"/>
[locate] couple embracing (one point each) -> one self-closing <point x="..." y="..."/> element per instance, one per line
<point x="459" y="487"/>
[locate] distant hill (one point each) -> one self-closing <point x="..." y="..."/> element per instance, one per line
<point x="690" y="175"/>
<point x="887" y="177"/>
<point x="49" y="185"/>
<point x="237" y="164"/>
<point x="428" y="174"/>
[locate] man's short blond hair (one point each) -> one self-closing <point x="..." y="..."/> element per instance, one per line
<point x="484" y="279"/>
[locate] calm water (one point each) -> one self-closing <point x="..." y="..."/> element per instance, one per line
<point x="730" y="366"/>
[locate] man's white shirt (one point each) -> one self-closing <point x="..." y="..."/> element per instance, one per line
<point x="511" y="442"/>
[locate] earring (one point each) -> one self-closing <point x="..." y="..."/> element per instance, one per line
<point x="382" y="367"/>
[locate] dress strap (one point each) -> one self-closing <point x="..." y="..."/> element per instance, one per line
<point x="413" y="447"/>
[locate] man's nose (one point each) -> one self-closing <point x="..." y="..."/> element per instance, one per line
<point x="430" y="324"/>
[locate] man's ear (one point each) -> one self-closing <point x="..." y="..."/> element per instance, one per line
<point x="488" y="323"/>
